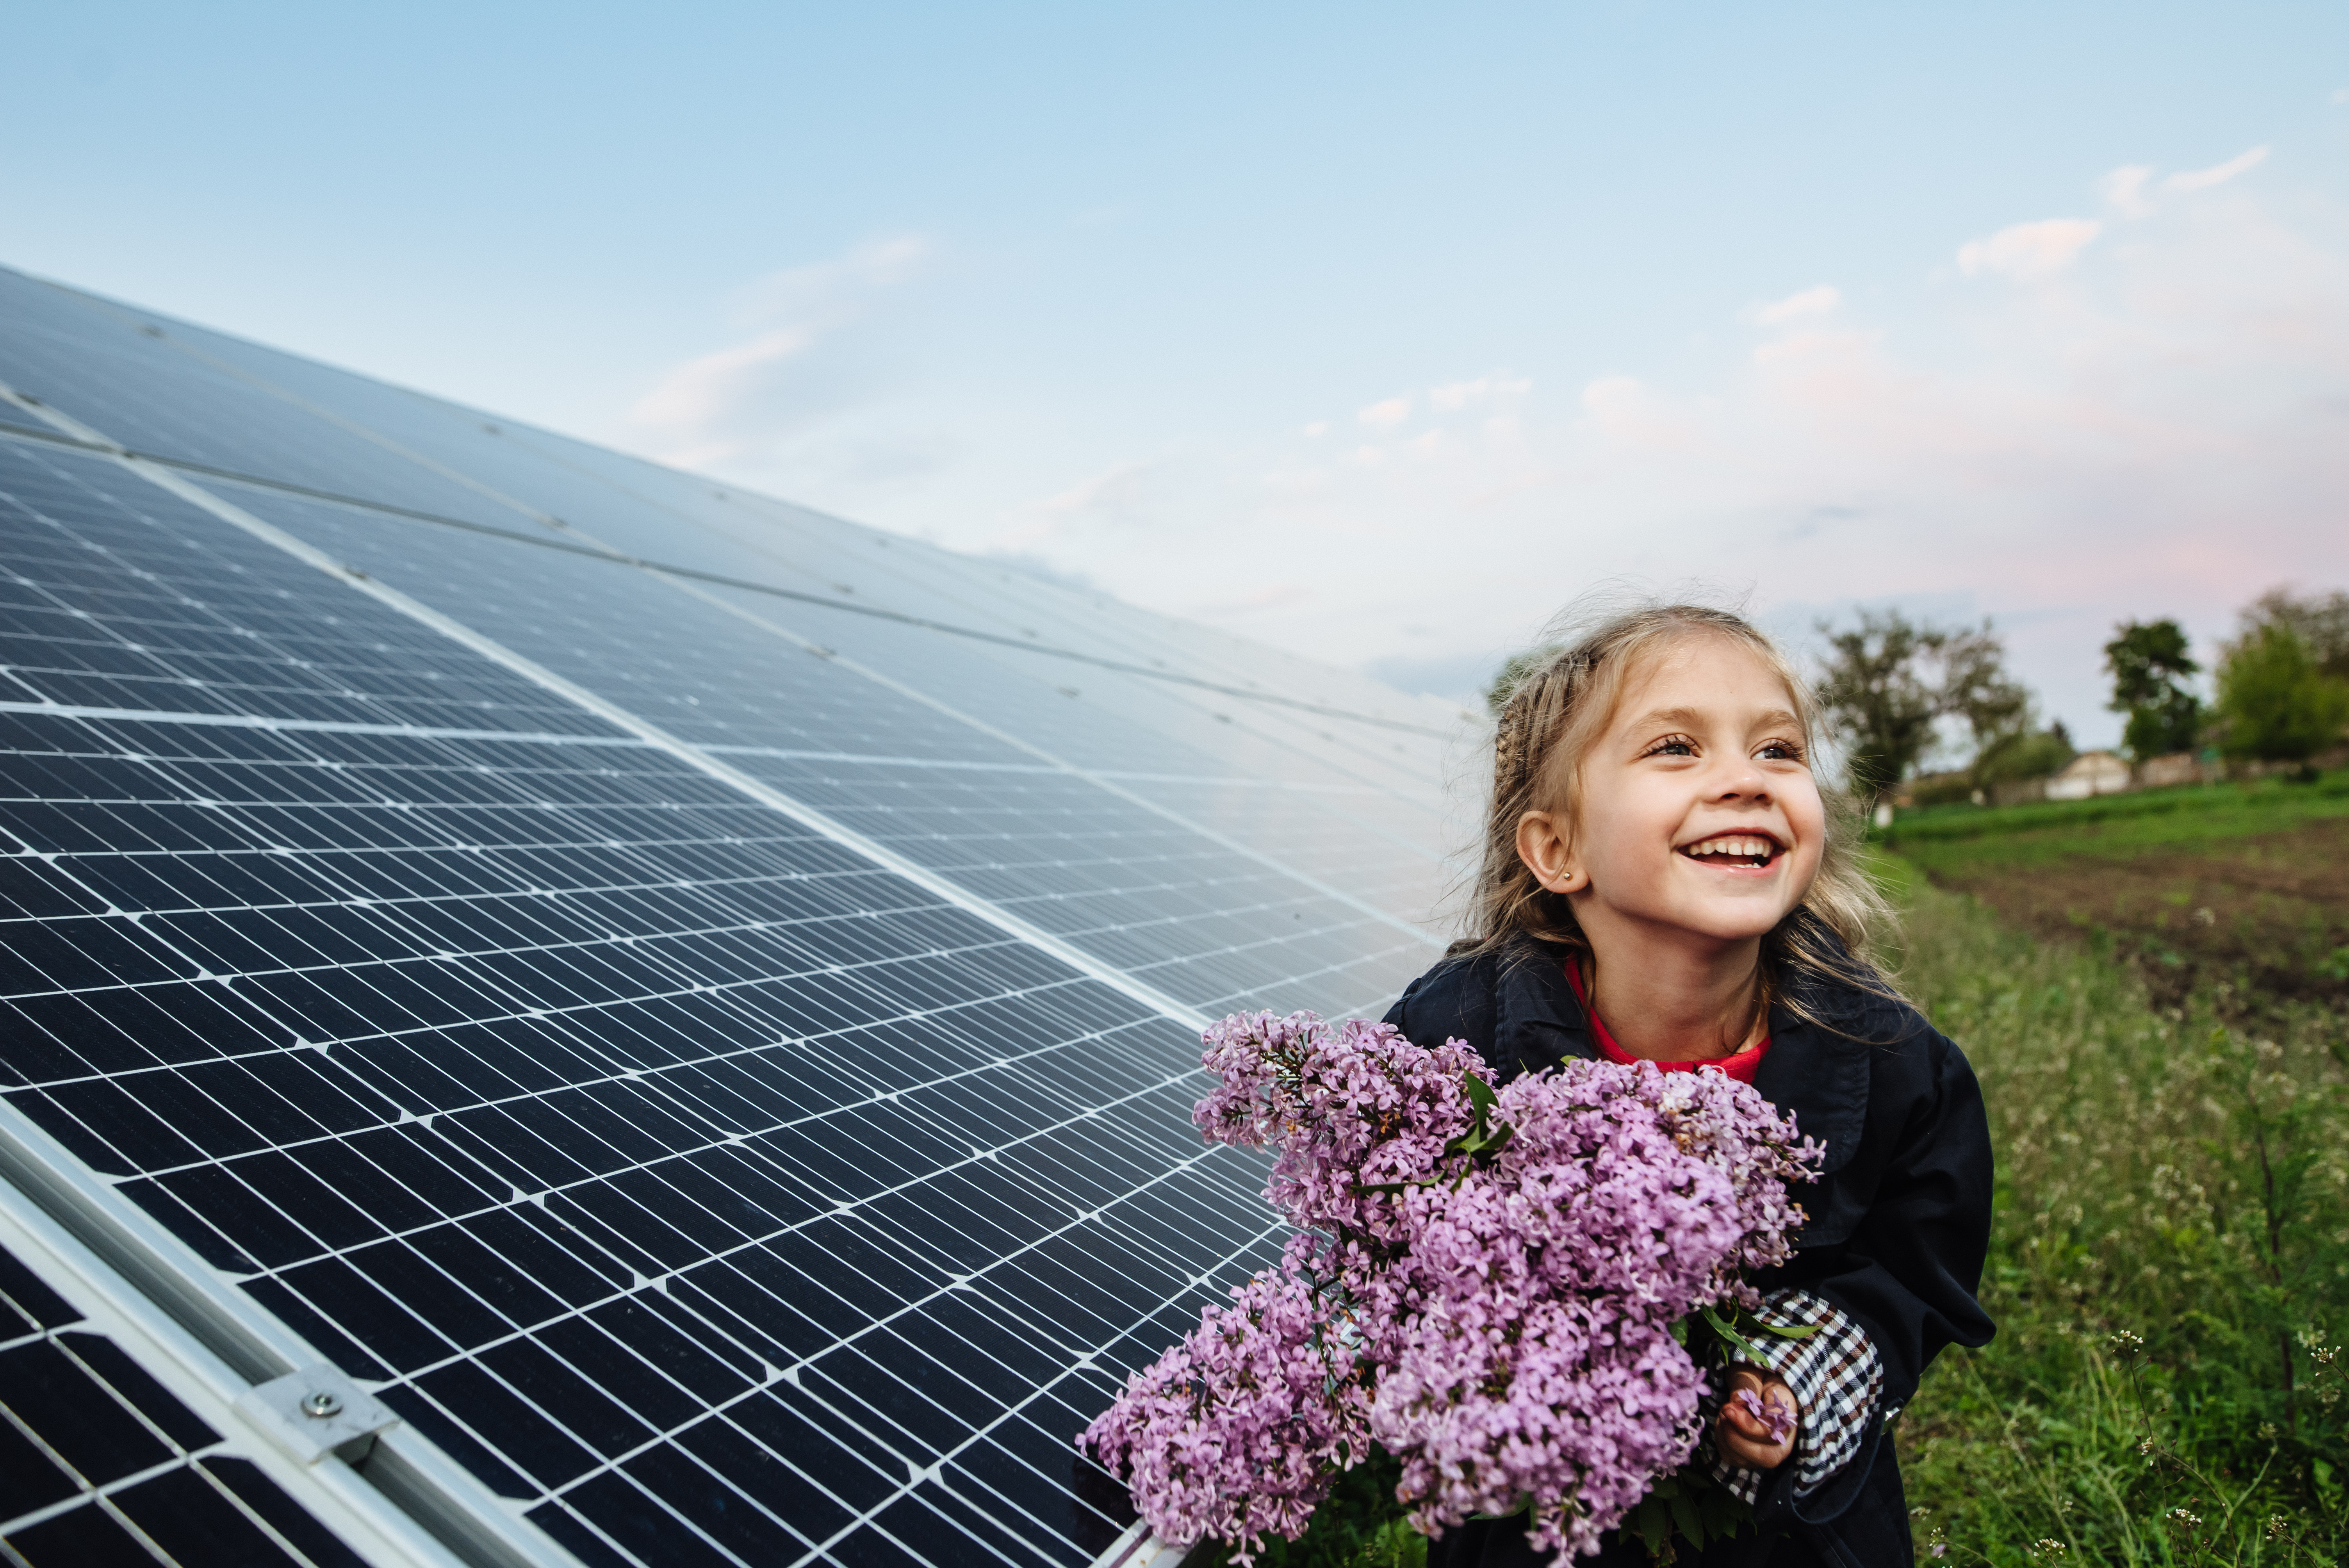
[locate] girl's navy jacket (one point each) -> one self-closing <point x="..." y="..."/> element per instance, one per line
<point x="1897" y="1222"/>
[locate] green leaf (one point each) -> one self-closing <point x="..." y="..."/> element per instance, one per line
<point x="1684" y="1516"/>
<point x="1480" y="1093"/>
<point x="1653" y="1522"/>
<point x="1729" y="1335"/>
<point x="1802" y="1333"/>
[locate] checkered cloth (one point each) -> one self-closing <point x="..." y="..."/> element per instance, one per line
<point x="1837" y="1379"/>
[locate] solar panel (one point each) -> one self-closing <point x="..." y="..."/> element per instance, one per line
<point x="98" y="1462"/>
<point x="689" y="1004"/>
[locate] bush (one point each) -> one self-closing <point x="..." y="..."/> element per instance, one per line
<point x="2275" y="705"/>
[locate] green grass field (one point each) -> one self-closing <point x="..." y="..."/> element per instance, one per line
<point x="2170" y="1266"/>
<point x="2115" y="827"/>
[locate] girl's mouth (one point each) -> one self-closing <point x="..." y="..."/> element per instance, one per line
<point x="1738" y="850"/>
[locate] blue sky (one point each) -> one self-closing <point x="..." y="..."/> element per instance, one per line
<point x="1377" y="332"/>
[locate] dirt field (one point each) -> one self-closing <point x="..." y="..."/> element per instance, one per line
<point x="2263" y="912"/>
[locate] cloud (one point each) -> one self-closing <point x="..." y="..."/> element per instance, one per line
<point x="1498" y="387"/>
<point x="783" y="374"/>
<point x="2157" y="438"/>
<point x="700" y="390"/>
<point x="2124" y="187"/>
<point x="822" y="288"/>
<point x="1454" y="396"/>
<point x="1317" y="428"/>
<point x="1114" y="495"/>
<point x="1626" y="412"/>
<point x="1820" y="301"/>
<point x="1387" y="414"/>
<point x="2218" y="174"/>
<point x="2025" y="251"/>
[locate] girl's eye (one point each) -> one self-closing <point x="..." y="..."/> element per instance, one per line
<point x="1672" y="746"/>
<point x="1780" y="751"/>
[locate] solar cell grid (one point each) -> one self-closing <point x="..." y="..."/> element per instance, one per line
<point x="639" y="506"/>
<point x="99" y="1464"/>
<point x="1150" y="895"/>
<point x="621" y="499"/>
<point x="115" y="595"/>
<point x="703" y="677"/>
<point x="151" y="399"/>
<point x="1127" y="886"/>
<point x="707" y="1189"/>
<point x="575" y="1099"/>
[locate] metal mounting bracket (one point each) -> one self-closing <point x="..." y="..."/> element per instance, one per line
<point x="314" y="1411"/>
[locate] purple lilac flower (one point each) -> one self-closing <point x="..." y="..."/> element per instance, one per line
<point x="1777" y="1419"/>
<point x="1500" y="1319"/>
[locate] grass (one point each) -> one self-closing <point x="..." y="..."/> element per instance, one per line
<point x="2169" y="1268"/>
<point x="2170" y="1262"/>
<point x="1951" y="838"/>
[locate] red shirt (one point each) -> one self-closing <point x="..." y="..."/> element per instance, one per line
<point x="1741" y="1067"/>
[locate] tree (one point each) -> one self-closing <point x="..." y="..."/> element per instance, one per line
<point x="1889" y="684"/>
<point x="1520" y="666"/>
<point x="2149" y="663"/>
<point x="2276" y="704"/>
<point x="2322" y="624"/>
<point x="1975" y="687"/>
<point x="2026" y="754"/>
<point x="1875" y="698"/>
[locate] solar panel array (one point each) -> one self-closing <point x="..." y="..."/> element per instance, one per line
<point x="691" y="1003"/>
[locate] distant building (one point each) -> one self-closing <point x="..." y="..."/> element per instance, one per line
<point x="2178" y="768"/>
<point x="2090" y="773"/>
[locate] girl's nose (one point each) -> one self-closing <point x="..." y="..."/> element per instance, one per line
<point x="1742" y="781"/>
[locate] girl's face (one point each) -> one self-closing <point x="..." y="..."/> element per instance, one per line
<point x="1698" y="808"/>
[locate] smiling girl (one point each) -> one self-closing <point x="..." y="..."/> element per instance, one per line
<point x="1665" y="879"/>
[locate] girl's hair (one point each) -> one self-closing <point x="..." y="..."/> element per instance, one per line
<point x="1562" y="699"/>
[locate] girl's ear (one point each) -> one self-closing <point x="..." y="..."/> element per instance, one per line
<point x="1548" y="852"/>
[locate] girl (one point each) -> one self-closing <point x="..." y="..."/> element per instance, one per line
<point x="1664" y="880"/>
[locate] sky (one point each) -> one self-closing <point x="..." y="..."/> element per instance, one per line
<point x="1377" y="332"/>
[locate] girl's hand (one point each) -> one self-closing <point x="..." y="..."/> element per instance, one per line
<point x="1745" y="1438"/>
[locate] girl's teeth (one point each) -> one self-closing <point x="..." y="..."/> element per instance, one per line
<point x="1741" y="848"/>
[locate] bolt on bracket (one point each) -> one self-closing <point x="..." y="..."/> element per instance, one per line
<point x="314" y="1411"/>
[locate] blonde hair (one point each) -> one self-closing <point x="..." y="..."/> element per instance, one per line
<point x="1562" y="700"/>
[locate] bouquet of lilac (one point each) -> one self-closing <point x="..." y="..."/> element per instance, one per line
<point x="1493" y="1287"/>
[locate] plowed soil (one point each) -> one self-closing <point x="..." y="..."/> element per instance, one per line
<point x="2260" y="913"/>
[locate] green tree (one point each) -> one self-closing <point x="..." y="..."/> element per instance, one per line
<point x="1505" y="682"/>
<point x="2276" y="702"/>
<point x="1888" y="683"/>
<point x="1976" y="688"/>
<point x="1877" y="698"/>
<point x="2321" y="622"/>
<point x="2150" y="662"/>
<point x="2028" y="753"/>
